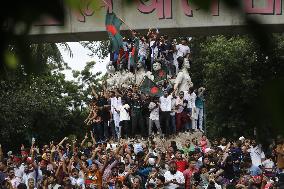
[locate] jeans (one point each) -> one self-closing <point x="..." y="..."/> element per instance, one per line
<point x="118" y="132"/>
<point x="200" y="118"/>
<point x="173" y="124"/>
<point x="157" y="123"/>
<point x="137" y="124"/>
<point x="98" y="131"/>
<point x="105" y="125"/>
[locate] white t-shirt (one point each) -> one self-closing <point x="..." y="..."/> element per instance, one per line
<point x="19" y="171"/>
<point x="222" y="147"/>
<point x="182" y="50"/>
<point x="15" y="182"/>
<point x="115" y="103"/>
<point x="124" y="115"/>
<point x="166" y="103"/>
<point x="143" y="46"/>
<point x="178" y="176"/>
<point x="154" y="115"/>
<point x="33" y="175"/>
<point x="79" y="182"/>
<point x="256" y="155"/>
<point x="268" y="164"/>
<point x="191" y="100"/>
<point x="173" y="112"/>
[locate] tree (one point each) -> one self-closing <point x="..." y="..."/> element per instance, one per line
<point x="235" y="72"/>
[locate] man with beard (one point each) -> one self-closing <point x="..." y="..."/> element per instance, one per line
<point x="173" y="177"/>
<point x="121" y="171"/>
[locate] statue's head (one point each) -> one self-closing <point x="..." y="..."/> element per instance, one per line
<point x="186" y="63"/>
<point x="157" y="66"/>
<point x="183" y="63"/>
<point x="110" y="68"/>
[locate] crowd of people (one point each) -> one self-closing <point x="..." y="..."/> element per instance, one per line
<point x="139" y="140"/>
<point x="149" y="48"/>
<point x="185" y="161"/>
<point x="128" y="114"/>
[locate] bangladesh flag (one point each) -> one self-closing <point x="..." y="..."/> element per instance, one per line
<point x="113" y="28"/>
<point x="134" y="52"/>
<point x="149" y="87"/>
<point x="161" y="74"/>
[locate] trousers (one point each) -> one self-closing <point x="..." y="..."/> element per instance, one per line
<point x="157" y="123"/>
<point x="137" y="124"/>
<point x="165" y="119"/>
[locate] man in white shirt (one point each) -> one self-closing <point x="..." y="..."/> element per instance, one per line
<point x="115" y="102"/>
<point x="182" y="50"/>
<point x="154" y="117"/>
<point x="166" y="107"/>
<point x="256" y="154"/>
<point x="15" y="181"/>
<point x="125" y="119"/>
<point x="76" y="180"/>
<point x="173" y="177"/>
<point x="191" y="97"/>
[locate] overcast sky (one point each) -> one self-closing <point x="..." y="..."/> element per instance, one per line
<point x="79" y="59"/>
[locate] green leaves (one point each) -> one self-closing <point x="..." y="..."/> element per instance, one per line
<point x="237" y="74"/>
<point x="11" y="60"/>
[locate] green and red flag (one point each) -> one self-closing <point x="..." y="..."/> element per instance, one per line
<point x="133" y="55"/>
<point x="149" y="87"/>
<point x="113" y="28"/>
<point x="160" y="75"/>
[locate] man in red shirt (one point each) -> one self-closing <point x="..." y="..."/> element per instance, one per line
<point x="180" y="161"/>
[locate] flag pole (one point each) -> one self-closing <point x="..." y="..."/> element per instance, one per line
<point x="119" y="17"/>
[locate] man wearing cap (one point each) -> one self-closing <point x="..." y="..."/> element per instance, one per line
<point x="173" y="177"/>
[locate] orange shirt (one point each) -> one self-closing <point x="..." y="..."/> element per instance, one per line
<point x="94" y="179"/>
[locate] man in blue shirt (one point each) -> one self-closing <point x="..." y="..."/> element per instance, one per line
<point x="199" y="103"/>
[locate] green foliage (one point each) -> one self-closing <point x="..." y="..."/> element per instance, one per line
<point x="44" y="105"/>
<point x="97" y="48"/>
<point x="235" y="73"/>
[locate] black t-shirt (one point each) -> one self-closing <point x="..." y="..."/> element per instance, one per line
<point x="145" y="108"/>
<point x="136" y="107"/>
<point x="104" y="112"/>
<point x="167" y="46"/>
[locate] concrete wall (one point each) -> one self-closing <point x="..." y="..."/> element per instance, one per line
<point x="175" y="17"/>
